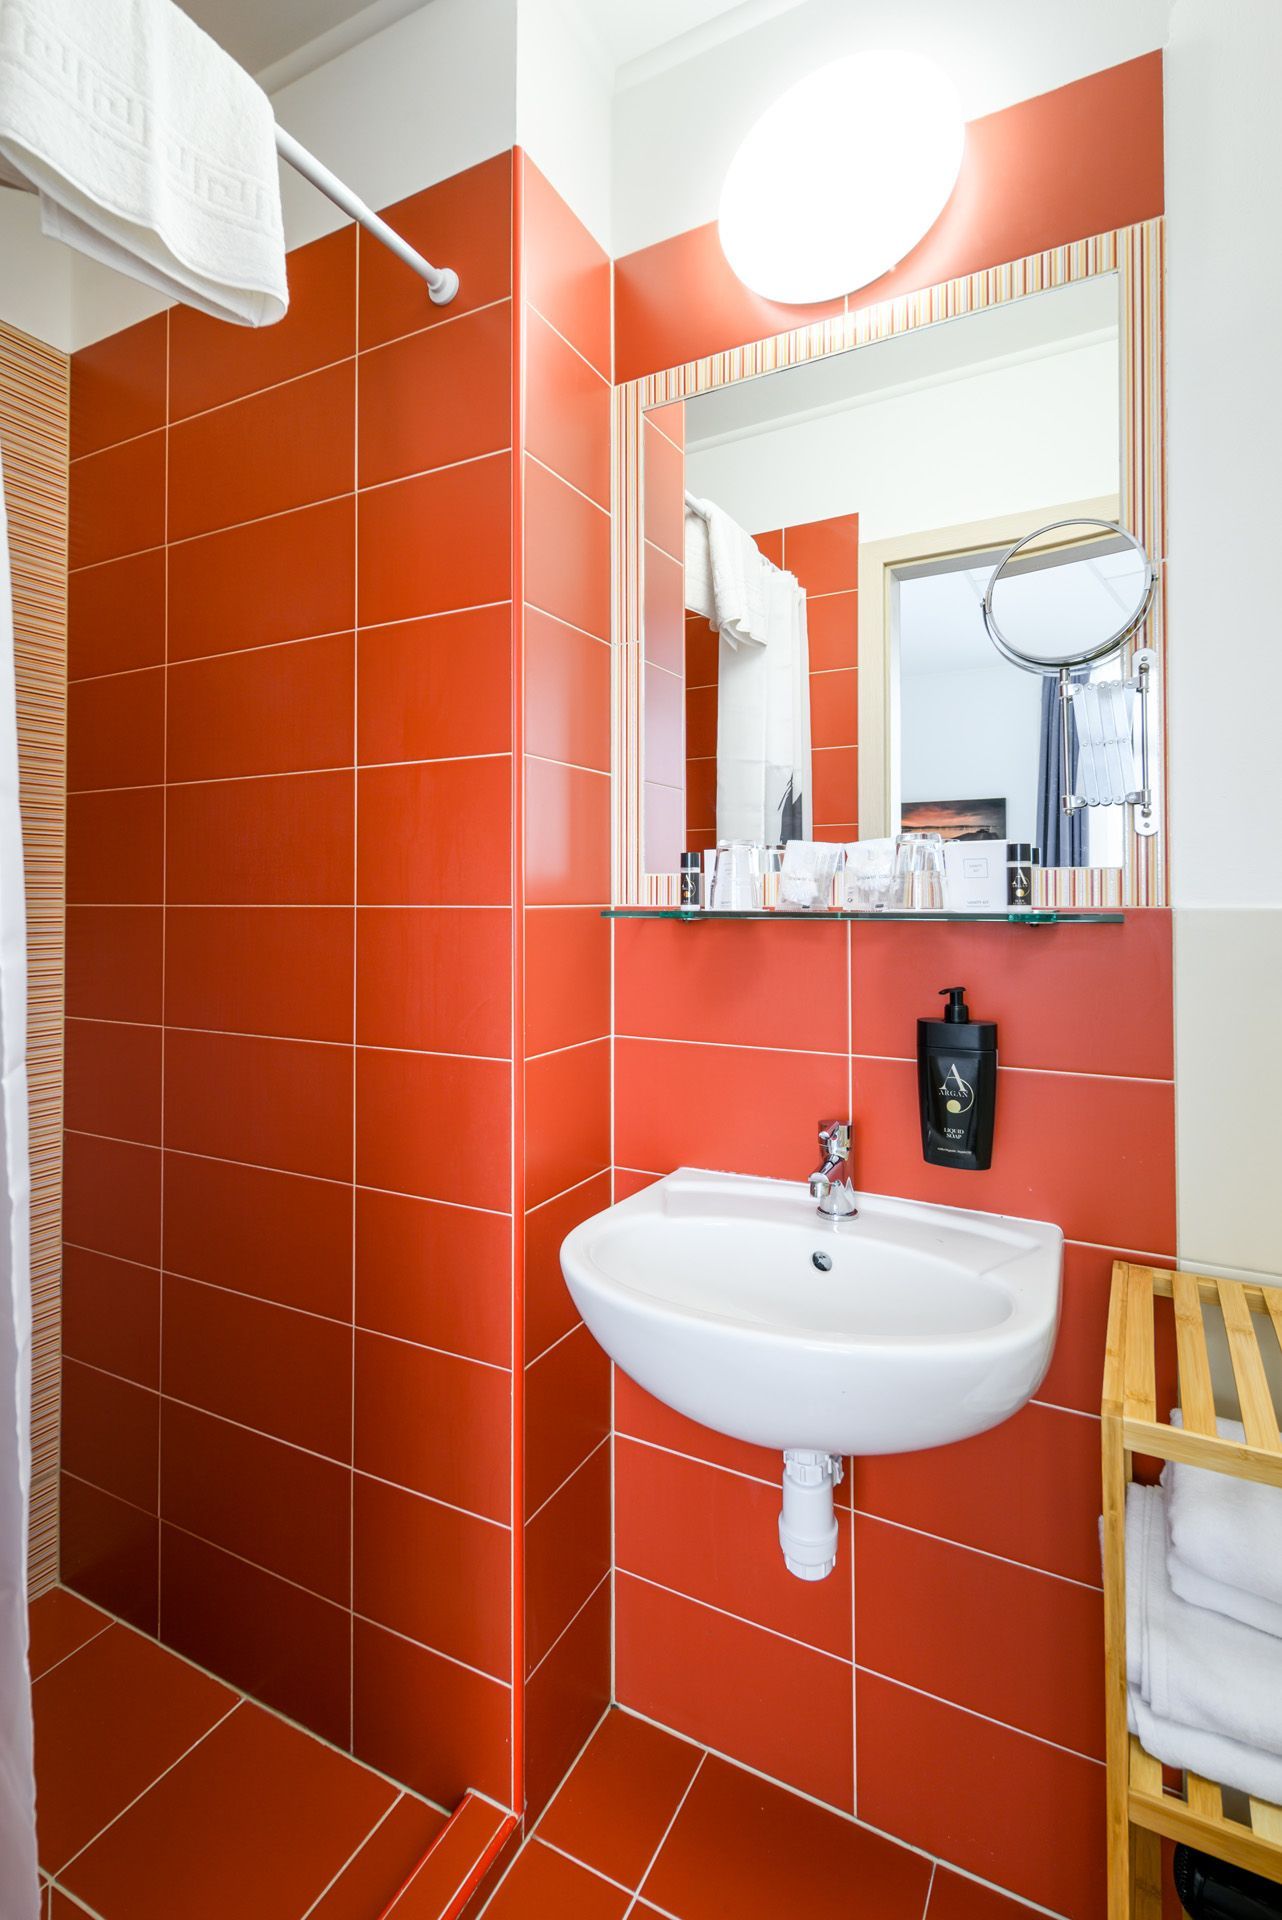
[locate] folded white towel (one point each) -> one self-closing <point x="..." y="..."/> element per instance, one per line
<point x="1192" y="1668"/>
<point x="1210" y="1754"/>
<point x="740" y="574"/>
<point x="1105" y="760"/>
<point x="150" y="148"/>
<point x="1225" y="1529"/>
<point x="699" y="595"/>
<point x="1250" y="1608"/>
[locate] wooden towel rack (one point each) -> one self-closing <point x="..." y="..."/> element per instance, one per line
<point x="1142" y="1810"/>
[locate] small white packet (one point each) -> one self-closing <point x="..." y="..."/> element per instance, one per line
<point x="805" y="882"/>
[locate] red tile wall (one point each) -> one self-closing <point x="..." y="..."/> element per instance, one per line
<point x="824" y="555"/>
<point x="291" y="969"/>
<point x="945" y="1682"/>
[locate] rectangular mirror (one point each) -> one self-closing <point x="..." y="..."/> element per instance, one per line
<point x="883" y="481"/>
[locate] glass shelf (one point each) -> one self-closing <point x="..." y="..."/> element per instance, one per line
<point x="1025" y="917"/>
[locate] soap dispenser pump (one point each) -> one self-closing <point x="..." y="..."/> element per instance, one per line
<point x="957" y="1085"/>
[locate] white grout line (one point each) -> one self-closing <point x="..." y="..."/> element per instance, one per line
<point x="97" y="1634"/>
<point x="574" y="1618"/>
<point x="587" y="1460"/>
<point x="641" y="1883"/>
<point x="235" y="1707"/>
<point x="708" y="1606"/>
<point x="552" y="473"/>
<point x="353" y="1856"/>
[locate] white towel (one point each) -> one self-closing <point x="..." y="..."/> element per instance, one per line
<point x="698" y="583"/>
<point x="1192" y="1669"/>
<point x="150" y="148"/>
<point x="1224" y="1529"/>
<point x="763" y="725"/>
<point x="1196" y="1751"/>
<point x="740" y="574"/>
<point x="1250" y="1608"/>
<point x="1105" y="758"/>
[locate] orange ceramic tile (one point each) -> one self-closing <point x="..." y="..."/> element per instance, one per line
<point x="771" y="544"/>
<point x="284" y="1373"/>
<point x="109" y="1721"/>
<point x="274" y="1103"/>
<point x="701" y="722"/>
<point x="741" y="1110"/>
<point x="544" y="1885"/>
<point x="989" y="1492"/>
<point x="288" y="1648"/>
<point x="117" y="501"/>
<point x="272" y="1234"/>
<point x="388" y="1858"/>
<point x="1075" y="1377"/>
<point x="291" y="1812"/>
<point x="274" y="450"/>
<point x="565" y="1699"/>
<point x="701" y="799"/>
<point x="836" y="784"/>
<point x="464" y="222"/>
<point x="832" y="623"/>
<point x="401" y="1688"/>
<point x="402" y="1544"/>
<point x="976" y="1795"/>
<point x="663" y="609"/>
<point x="115" y="847"/>
<point x="567" y="275"/>
<point x="701" y="642"/>
<point x="665" y="747"/>
<point x="209" y="363"/>
<point x="567" y="1119"/>
<point x="472" y="1843"/>
<point x="953" y="1898"/>
<point x="567" y="1413"/>
<point x="567" y="1555"/>
<point x="567" y="693"/>
<point x="679" y="300"/>
<point x="111" y="1197"/>
<point x="436" y="688"/>
<point x="682" y="1665"/>
<point x="286" y="1511"/>
<point x="670" y="420"/>
<point x="114" y="963"/>
<point x="109" y="1551"/>
<point x="567" y="835"/>
<point x="59" y="1622"/>
<point x="271" y="710"/>
<point x="436" y="397"/>
<point x="824" y="554"/>
<point x="1094" y="1155"/>
<point x="627" y="1180"/>
<point x="273" y="580"/>
<point x="116" y="731"/>
<point x="726" y="1552"/>
<point x="834" y="709"/>
<point x="734" y="984"/>
<point x="567" y="412"/>
<point x="617" y="1804"/>
<point x="435" y="978"/>
<point x="433" y="1423"/>
<point x="116" y="615"/>
<point x="271" y="842"/>
<point x="663" y="465"/>
<point x="645" y="1418"/>
<point x="284" y="971"/>
<point x="741" y="1845"/>
<point x="549" y="1311"/>
<point x="118" y="386"/>
<point x="975" y="1630"/>
<point x="466" y="563"/>
<point x="567" y="552"/>
<point x="111" y="1315"/>
<point x="567" y="977"/>
<point x="112" y="1081"/>
<point x="419" y="1117"/>
<point x="434" y="1274"/>
<point x="1054" y="999"/>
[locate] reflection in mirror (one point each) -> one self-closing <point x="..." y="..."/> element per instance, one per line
<point x="894" y="475"/>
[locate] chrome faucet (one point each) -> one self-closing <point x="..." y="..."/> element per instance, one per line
<point x="832" y="1185"/>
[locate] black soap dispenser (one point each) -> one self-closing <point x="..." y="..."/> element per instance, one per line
<point x="957" y="1085"/>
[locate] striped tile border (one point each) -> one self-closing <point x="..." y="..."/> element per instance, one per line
<point x="1136" y="255"/>
<point x="34" y="398"/>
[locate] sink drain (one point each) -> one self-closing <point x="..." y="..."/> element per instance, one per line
<point x="823" y="1261"/>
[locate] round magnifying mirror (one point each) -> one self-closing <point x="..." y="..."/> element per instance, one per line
<point x="1068" y="595"/>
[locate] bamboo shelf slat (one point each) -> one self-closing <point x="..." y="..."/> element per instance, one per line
<point x="1142" y="1811"/>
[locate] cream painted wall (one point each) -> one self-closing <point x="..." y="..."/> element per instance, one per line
<point x="1224" y="302"/>
<point x="35" y="273"/>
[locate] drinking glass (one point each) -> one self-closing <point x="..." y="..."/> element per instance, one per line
<point x="918" y="882"/>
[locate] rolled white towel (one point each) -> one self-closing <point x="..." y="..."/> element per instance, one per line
<point x="1224" y="1529"/>
<point x="1210" y="1754"/>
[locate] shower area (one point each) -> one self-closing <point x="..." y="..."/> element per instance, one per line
<point x="320" y="1078"/>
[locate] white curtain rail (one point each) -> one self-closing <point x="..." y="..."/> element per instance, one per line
<point x="442" y="282"/>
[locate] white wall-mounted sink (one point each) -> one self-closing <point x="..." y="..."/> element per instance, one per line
<point x="734" y="1301"/>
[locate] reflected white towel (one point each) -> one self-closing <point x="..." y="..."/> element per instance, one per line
<point x="1192" y="1668"/>
<point x="763" y="725"/>
<point x="1226" y="1530"/>
<point x="698" y="581"/>
<point x="1105" y="758"/>
<point x="740" y="574"/>
<point x="150" y="148"/>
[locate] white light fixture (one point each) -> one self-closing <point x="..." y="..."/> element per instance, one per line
<point x="842" y="176"/>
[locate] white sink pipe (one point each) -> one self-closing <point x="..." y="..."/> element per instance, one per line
<point x="807" y="1523"/>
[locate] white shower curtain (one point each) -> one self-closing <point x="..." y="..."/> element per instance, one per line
<point x="18" y="1889"/>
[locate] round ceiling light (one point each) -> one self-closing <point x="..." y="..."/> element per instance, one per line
<point x="842" y="176"/>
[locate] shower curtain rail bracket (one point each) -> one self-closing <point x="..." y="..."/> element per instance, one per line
<point x="442" y="282"/>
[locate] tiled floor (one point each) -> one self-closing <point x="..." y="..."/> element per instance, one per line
<point x="649" y="1824"/>
<point x="164" y="1795"/>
